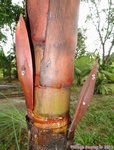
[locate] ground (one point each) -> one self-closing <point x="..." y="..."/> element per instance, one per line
<point x="95" y="129"/>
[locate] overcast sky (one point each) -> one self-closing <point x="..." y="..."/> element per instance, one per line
<point x="92" y="41"/>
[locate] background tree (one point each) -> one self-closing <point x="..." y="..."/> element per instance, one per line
<point x="81" y="46"/>
<point x="82" y="68"/>
<point x="102" y="17"/>
<point x="83" y="59"/>
<point x="7" y="65"/>
<point x="103" y="21"/>
<point x="9" y="15"/>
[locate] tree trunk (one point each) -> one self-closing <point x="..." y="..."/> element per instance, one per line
<point x="46" y="85"/>
<point x="53" y="26"/>
<point x="53" y="31"/>
<point x="45" y="139"/>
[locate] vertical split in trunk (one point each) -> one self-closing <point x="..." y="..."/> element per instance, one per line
<point x="53" y="25"/>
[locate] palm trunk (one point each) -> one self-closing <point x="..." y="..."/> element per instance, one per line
<point x="53" y="27"/>
<point x="46" y="84"/>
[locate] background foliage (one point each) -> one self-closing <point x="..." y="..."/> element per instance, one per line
<point x="96" y="127"/>
<point x="9" y="15"/>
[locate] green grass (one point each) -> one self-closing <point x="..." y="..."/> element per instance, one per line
<point x="97" y="126"/>
<point x="13" y="131"/>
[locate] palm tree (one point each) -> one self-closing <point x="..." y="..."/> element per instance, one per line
<point x="46" y="81"/>
<point x="7" y="64"/>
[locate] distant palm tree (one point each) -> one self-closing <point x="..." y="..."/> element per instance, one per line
<point x="7" y="64"/>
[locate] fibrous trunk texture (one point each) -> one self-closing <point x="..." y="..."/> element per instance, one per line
<point x="45" y="139"/>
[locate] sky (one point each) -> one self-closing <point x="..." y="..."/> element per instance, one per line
<point x="17" y="1"/>
<point x="91" y="33"/>
<point x="92" y="42"/>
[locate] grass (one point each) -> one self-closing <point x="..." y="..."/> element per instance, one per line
<point x="97" y="126"/>
<point x="13" y="131"/>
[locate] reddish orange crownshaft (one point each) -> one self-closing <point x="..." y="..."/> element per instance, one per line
<point x="24" y="62"/>
<point x="84" y="100"/>
<point x="38" y="15"/>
